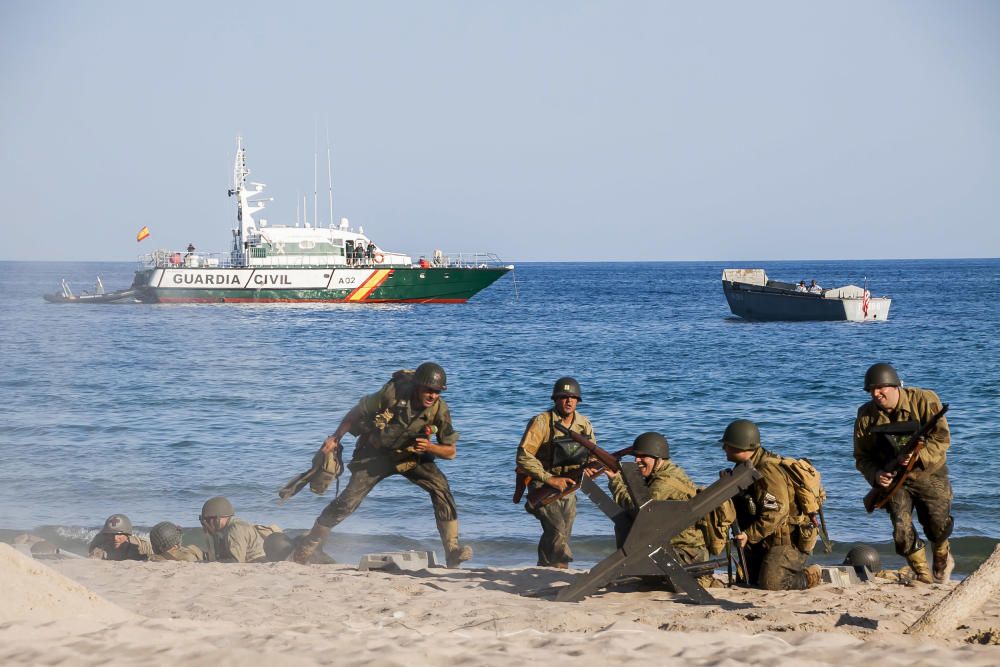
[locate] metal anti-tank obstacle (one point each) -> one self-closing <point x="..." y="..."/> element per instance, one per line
<point x="644" y="536"/>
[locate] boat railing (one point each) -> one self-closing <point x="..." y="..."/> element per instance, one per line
<point x="463" y="260"/>
<point x="176" y="259"/>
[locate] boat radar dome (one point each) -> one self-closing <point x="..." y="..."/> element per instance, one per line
<point x="343" y="223"/>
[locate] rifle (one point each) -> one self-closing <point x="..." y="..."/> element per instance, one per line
<point x="879" y="496"/>
<point x="544" y="495"/>
<point x="742" y="573"/>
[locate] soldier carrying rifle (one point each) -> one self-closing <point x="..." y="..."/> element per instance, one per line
<point x="556" y="461"/>
<point x="882" y="431"/>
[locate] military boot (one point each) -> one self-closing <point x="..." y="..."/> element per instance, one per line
<point x="918" y="563"/>
<point x="308" y="545"/>
<point x="814" y="576"/>
<point x="455" y="554"/>
<point x="943" y="563"/>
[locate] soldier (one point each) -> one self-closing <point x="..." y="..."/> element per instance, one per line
<point x="880" y="431"/>
<point x="665" y="480"/>
<point x="550" y="459"/>
<point x="229" y="540"/>
<point x="166" y="540"/>
<point x="764" y="511"/>
<point x="394" y="426"/>
<point x="116" y="541"/>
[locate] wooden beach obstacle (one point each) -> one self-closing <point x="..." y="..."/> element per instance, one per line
<point x="644" y="537"/>
<point x="966" y="599"/>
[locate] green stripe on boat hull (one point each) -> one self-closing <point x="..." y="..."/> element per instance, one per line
<point x="403" y="285"/>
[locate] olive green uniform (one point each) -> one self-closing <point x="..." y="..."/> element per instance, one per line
<point x="668" y="482"/>
<point x="764" y="512"/>
<point x="926" y="488"/>
<point x="388" y="424"/>
<point x="103" y="547"/>
<point x="189" y="553"/>
<point x="238" y="542"/>
<point x="544" y="453"/>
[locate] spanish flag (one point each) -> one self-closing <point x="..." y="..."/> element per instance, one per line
<point x="143" y="233"/>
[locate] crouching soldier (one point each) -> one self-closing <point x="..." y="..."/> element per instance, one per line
<point x="394" y="426"/>
<point x="230" y="540"/>
<point x="764" y="511"/>
<point x="116" y="541"/>
<point x="665" y="480"/>
<point x="165" y="537"/>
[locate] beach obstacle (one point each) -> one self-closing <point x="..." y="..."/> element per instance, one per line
<point x="644" y="537"/>
<point x="966" y="599"/>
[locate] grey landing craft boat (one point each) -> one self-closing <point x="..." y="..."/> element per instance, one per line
<point x="753" y="296"/>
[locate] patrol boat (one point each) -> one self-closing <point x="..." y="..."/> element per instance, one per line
<point x="753" y="296"/>
<point x="280" y="263"/>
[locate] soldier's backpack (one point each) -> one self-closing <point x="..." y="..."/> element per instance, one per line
<point x="808" y="496"/>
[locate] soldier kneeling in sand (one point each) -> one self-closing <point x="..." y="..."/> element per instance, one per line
<point x="165" y="537"/>
<point x="116" y="541"/>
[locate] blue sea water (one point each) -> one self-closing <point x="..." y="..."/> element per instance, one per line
<point x="151" y="409"/>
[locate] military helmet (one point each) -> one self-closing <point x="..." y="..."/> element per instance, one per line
<point x="117" y="524"/>
<point x="881" y="375"/>
<point x="863" y="555"/>
<point x="566" y="386"/>
<point x="217" y="507"/>
<point x="164" y="536"/>
<point x="278" y="547"/>
<point x="431" y="375"/>
<point x="741" y="434"/>
<point x="651" y="444"/>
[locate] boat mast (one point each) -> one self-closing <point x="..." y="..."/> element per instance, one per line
<point x="246" y="208"/>
<point x="329" y="172"/>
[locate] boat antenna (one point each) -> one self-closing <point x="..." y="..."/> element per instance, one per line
<point x="329" y="169"/>
<point x="316" y="172"/>
<point x="298" y="209"/>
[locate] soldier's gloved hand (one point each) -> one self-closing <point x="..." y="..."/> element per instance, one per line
<point x="330" y="444"/>
<point x="560" y="483"/>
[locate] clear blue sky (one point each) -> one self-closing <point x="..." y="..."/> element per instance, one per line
<point x="535" y="130"/>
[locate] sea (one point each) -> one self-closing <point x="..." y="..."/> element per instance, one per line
<point x="149" y="410"/>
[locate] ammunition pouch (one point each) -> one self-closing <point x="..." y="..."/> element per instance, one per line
<point x="804" y="533"/>
<point x="566" y="453"/>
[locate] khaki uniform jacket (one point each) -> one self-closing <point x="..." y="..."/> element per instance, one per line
<point x="668" y="482"/>
<point x="189" y="553"/>
<point x="238" y="542"/>
<point x="772" y="502"/>
<point x="534" y="451"/>
<point x="915" y="404"/>
<point x="136" y="548"/>
<point x="388" y="420"/>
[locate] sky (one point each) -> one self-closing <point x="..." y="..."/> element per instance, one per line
<point x="539" y="131"/>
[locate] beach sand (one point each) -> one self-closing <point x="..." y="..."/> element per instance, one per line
<point x="82" y="612"/>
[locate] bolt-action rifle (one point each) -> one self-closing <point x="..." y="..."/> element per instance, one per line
<point x="901" y="466"/>
<point x="742" y="573"/>
<point x="544" y="495"/>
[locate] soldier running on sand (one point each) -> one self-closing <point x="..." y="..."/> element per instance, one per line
<point x="880" y="431"/>
<point x="394" y="426"/>
<point x="548" y="458"/>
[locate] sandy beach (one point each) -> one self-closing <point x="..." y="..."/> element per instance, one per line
<point x="83" y="612"/>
